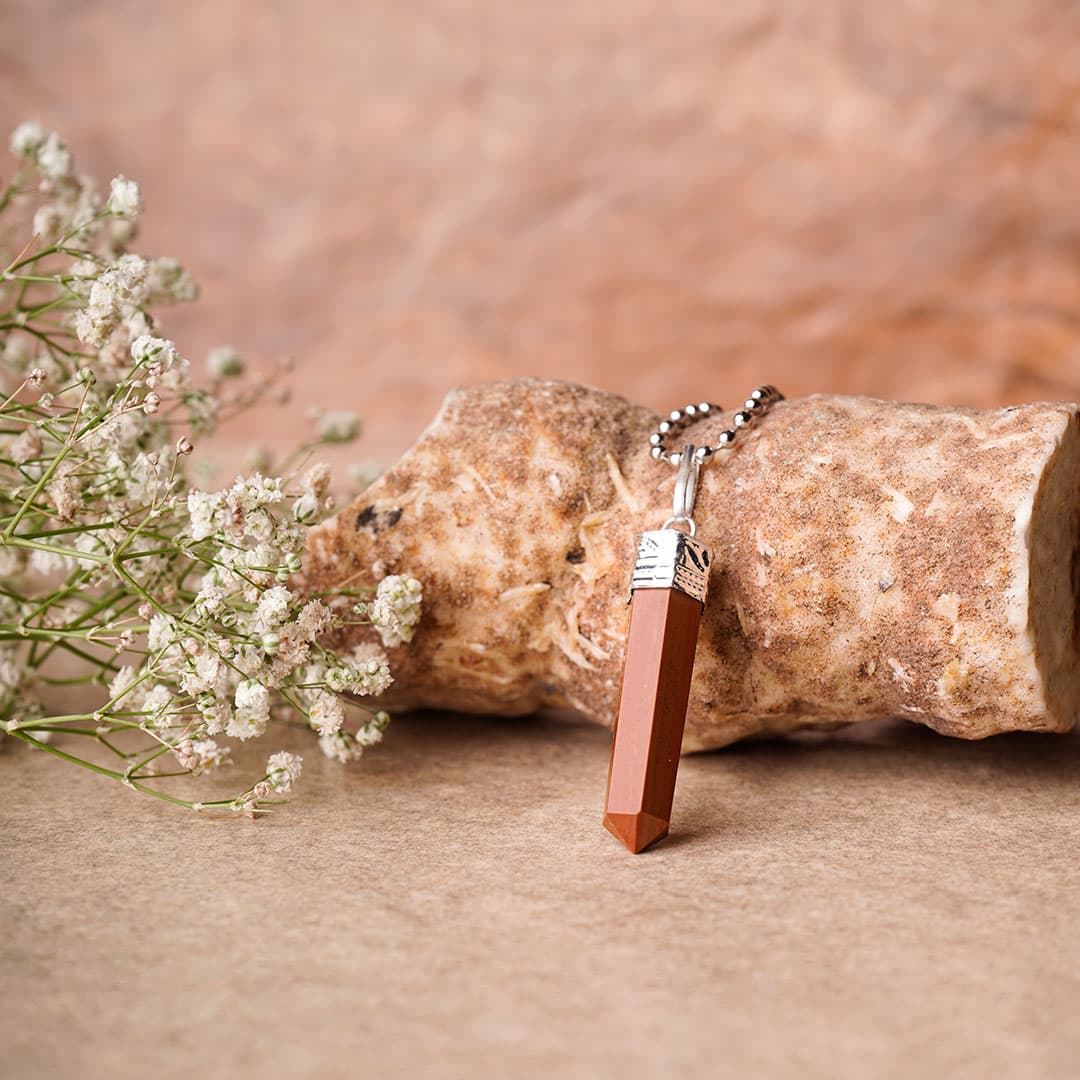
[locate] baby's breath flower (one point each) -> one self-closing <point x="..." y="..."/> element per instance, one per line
<point x="115" y="290"/>
<point x="121" y="683"/>
<point x="327" y="712"/>
<point x="146" y="348"/>
<point x="203" y="510"/>
<point x="224" y="362"/>
<point x="373" y="676"/>
<point x="317" y="479"/>
<point x="131" y="275"/>
<point x="363" y="474"/>
<point x="154" y="704"/>
<point x="204" y="673"/>
<point x="252" y="710"/>
<point x="65" y="496"/>
<point x="26" y="447"/>
<point x="272" y="608"/>
<point x="48" y="563"/>
<point x="341" y="679"/>
<point x="395" y="610"/>
<point x="17" y="351"/>
<point x="200" y="754"/>
<point x="162" y="632"/>
<point x="169" y="283"/>
<point x="27" y="138"/>
<point x="282" y="771"/>
<point x="125" y="200"/>
<point x="369" y="673"/>
<point x="306" y="508"/>
<point x="315" y="618"/>
<point x="54" y="160"/>
<point x="338" y="427"/>
<point x="340" y="746"/>
<point x="370" y="734"/>
<point x="196" y="587"/>
<point x="48" y="223"/>
<point x="11" y="678"/>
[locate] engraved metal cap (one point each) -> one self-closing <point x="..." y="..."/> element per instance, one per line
<point x="671" y="559"/>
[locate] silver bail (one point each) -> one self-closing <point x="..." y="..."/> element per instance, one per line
<point x="682" y="501"/>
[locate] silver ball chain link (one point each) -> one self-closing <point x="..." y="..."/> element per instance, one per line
<point x="690" y="458"/>
<point x="754" y="407"/>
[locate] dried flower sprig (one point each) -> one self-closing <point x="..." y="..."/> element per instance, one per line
<point x="176" y="608"/>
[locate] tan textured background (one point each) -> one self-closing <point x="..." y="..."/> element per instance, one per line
<point x="669" y="200"/>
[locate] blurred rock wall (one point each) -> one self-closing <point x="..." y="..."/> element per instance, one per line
<point x="672" y="200"/>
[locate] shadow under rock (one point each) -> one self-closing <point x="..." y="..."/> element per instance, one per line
<point x="892" y="743"/>
<point x="763" y="791"/>
<point x="468" y="729"/>
<point x="900" y="741"/>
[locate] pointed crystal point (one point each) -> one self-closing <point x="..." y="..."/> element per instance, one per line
<point x="636" y="831"/>
<point x="649" y="726"/>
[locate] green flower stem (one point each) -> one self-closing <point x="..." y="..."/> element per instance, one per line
<point x="55" y="279"/>
<point x="10" y="192"/>
<point x="80" y="680"/>
<point x="122" y="777"/>
<point x="33" y="633"/>
<point x="163" y="749"/>
<point x="99" y="717"/>
<point x="37" y="490"/>
<point x="6" y="539"/>
<point x="104" y="742"/>
<point x="67" y="646"/>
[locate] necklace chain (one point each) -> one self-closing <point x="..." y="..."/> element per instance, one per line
<point x="755" y="407"/>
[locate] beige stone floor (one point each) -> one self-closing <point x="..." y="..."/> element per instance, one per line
<point x="877" y="903"/>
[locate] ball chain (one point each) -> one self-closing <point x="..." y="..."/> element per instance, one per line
<point x="755" y="406"/>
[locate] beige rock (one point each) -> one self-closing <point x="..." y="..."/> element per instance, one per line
<point x="870" y="559"/>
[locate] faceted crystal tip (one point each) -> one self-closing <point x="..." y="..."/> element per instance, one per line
<point x="636" y="831"/>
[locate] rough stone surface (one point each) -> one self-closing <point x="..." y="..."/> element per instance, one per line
<point x="870" y="559"/>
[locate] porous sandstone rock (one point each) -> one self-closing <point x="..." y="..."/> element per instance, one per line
<point x="870" y="558"/>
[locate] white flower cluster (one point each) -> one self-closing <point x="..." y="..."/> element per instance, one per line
<point x="198" y="755"/>
<point x="224" y="362"/>
<point x="196" y="593"/>
<point x="338" y="427"/>
<point x="395" y="611"/>
<point x="75" y="209"/>
<point x="46" y="149"/>
<point x="282" y="771"/>
<point x="125" y="200"/>
<point x="247" y="635"/>
<point x="346" y="746"/>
